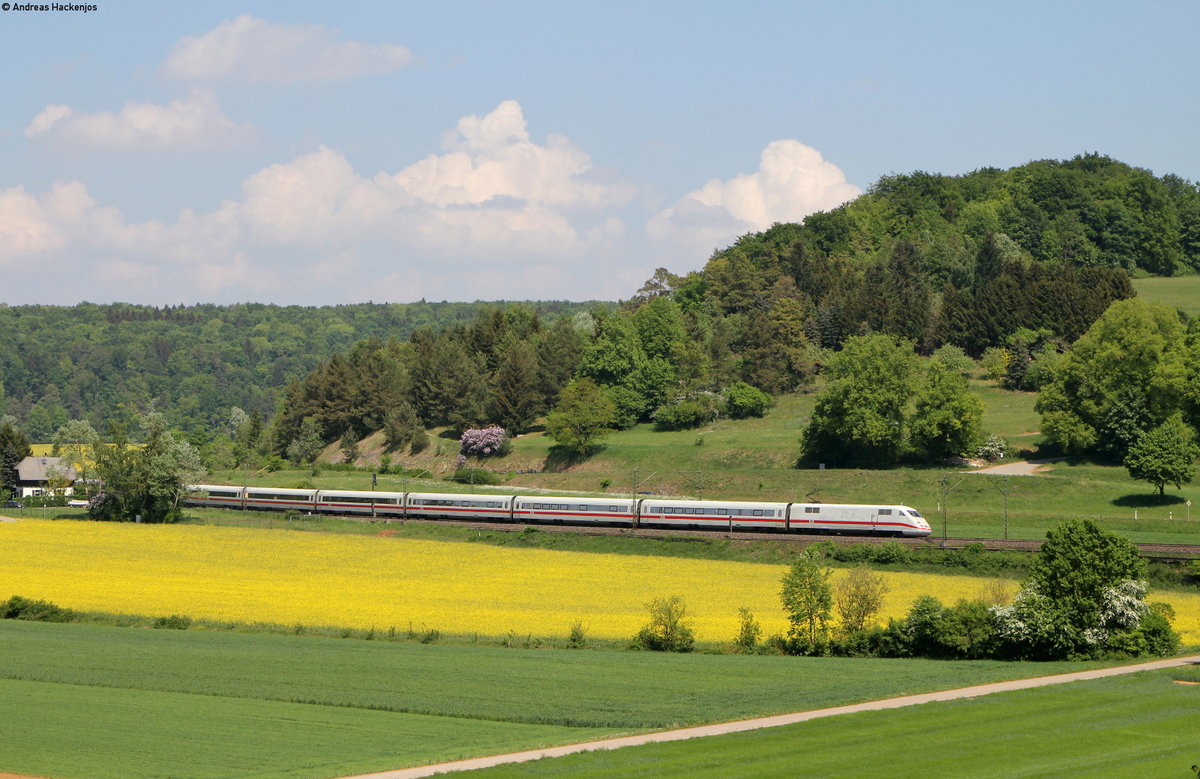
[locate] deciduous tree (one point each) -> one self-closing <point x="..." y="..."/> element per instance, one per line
<point x="808" y="602"/>
<point x="1165" y="455"/>
<point x="584" y="414"/>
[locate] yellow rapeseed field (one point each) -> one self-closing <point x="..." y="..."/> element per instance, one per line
<point x="289" y="578"/>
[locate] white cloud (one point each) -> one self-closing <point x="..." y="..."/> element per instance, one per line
<point x="792" y="181"/>
<point x="496" y="215"/>
<point x="491" y="156"/>
<point x="195" y="123"/>
<point x="254" y="50"/>
<point x="26" y="230"/>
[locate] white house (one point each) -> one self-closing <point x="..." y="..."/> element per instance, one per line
<point x="34" y="475"/>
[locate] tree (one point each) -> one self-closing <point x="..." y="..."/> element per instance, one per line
<point x="859" y="416"/>
<point x="948" y="420"/>
<point x="400" y="425"/>
<point x="1165" y="455"/>
<point x="146" y="483"/>
<point x="669" y="629"/>
<point x="584" y="414"/>
<point x="808" y="601"/>
<point x="859" y="597"/>
<point x="14" y="447"/>
<point x="515" y="397"/>
<point x="749" y="631"/>
<point x="1125" y="375"/>
<point x="1077" y="595"/>
<point x="305" y="447"/>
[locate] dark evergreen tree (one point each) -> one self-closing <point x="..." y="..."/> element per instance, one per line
<point x="515" y="400"/>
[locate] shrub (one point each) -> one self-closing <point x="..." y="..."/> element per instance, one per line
<point x="742" y="400"/>
<point x="420" y="442"/>
<point x="955" y="359"/>
<point x="685" y="414"/>
<point x="965" y="630"/>
<point x="17" y="607"/>
<point x="173" y="622"/>
<point x="668" y="630"/>
<point x="577" y="638"/>
<point x="485" y="442"/>
<point x="749" y="631"/>
<point x="475" y="476"/>
<point x="993" y="448"/>
<point x="995" y="361"/>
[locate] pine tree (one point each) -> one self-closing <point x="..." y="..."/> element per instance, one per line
<point x="515" y="400"/>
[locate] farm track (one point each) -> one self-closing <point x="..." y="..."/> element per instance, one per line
<point x="1152" y="551"/>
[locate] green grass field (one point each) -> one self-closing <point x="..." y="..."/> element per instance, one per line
<point x="1182" y="292"/>
<point x="82" y="700"/>
<point x="1135" y="726"/>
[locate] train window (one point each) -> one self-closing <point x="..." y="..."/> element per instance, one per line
<point x="914" y="512"/>
<point x="885" y="512"/>
<point x="612" y="508"/>
<point x="722" y="512"/>
<point x="812" y="509"/>
<point x="758" y="512"/>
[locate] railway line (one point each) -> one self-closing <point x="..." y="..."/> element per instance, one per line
<point x="1157" y="551"/>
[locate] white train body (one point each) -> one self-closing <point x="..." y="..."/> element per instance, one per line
<point x="852" y="518"/>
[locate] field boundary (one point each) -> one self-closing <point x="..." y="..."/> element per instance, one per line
<point x="778" y="720"/>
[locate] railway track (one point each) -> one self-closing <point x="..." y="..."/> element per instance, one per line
<point x="1152" y="551"/>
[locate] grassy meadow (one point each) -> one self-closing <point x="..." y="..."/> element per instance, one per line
<point x="96" y="701"/>
<point x="1130" y="726"/>
<point x="1181" y="292"/>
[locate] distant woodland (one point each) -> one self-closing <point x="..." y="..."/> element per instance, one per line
<point x="1022" y="260"/>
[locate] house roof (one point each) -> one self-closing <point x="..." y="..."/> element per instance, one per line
<point x="35" y="468"/>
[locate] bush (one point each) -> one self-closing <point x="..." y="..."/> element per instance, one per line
<point x="742" y="400"/>
<point x="475" y="476"/>
<point x="669" y="629"/>
<point x="955" y="359"/>
<point x="993" y="448"/>
<point x="485" y="442"/>
<point x="749" y="631"/>
<point x="577" y="638"/>
<point x="420" y="442"/>
<point x="17" y="607"/>
<point x="684" y="415"/>
<point x="966" y="630"/>
<point x="995" y="361"/>
<point x="173" y="622"/>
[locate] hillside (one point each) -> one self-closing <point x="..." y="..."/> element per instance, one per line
<point x="102" y="362"/>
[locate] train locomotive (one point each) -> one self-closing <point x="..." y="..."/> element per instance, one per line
<point x="838" y="518"/>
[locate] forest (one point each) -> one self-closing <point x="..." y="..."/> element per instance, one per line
<point x="1011" y="266"/>
<point x="192" y="363"/>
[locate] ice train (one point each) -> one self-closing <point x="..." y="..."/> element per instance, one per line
<point x="848" y="518"/>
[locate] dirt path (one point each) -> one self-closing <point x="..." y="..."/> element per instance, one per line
<point x="776" y="721"/>
<point x="1022" y="468"/>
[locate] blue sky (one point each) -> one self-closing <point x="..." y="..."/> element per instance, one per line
<point x="319" y="153"/>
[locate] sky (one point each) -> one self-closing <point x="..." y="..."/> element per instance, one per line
<point x="319" y="153"/>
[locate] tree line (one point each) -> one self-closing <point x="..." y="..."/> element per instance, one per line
<point x="191" y="363"/>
